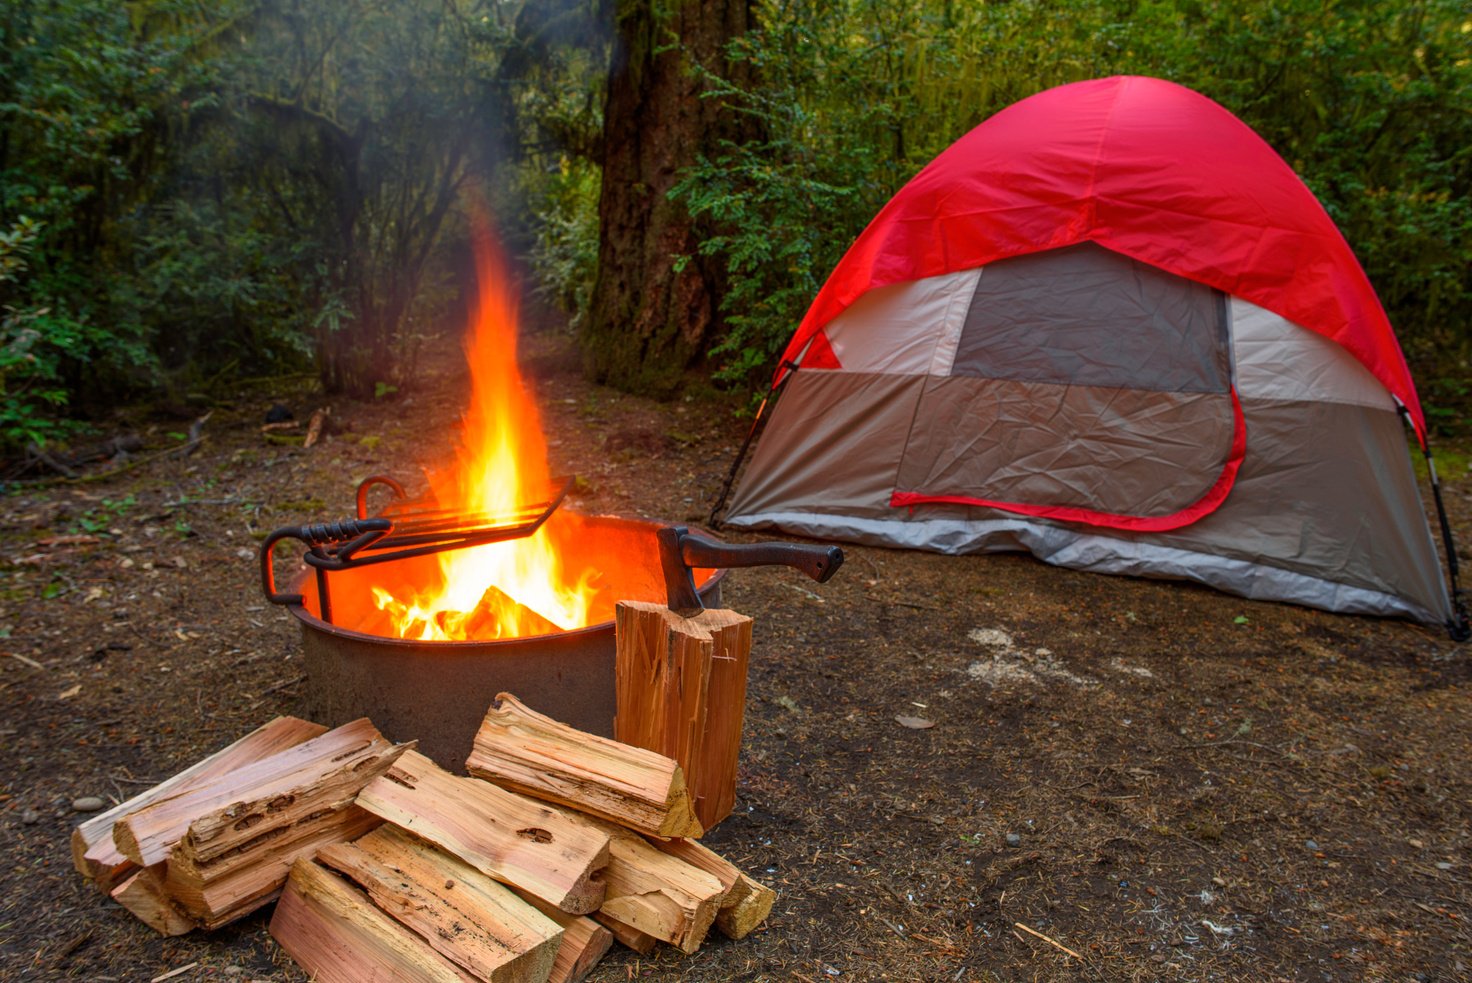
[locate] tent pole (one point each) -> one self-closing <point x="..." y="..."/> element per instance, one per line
<point x="756" y="420"/>
<point x="1458" y="627"/>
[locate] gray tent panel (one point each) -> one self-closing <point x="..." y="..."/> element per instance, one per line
<point x="1122" y="451"/>
<point x="1085" y="316"/>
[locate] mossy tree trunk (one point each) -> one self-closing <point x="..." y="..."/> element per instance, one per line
<point x="650" y="316"/>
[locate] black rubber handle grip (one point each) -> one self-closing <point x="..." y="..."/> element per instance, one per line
<point x="818" y="562"/>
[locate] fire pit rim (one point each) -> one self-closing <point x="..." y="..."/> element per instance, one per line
<point x="302" y="614"/>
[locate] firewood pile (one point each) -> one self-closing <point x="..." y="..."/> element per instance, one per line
<point x="387" y="866"/>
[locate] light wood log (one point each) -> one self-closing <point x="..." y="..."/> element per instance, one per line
<point x="324" y="773"/>
<point x="740" y="919"/>
<point x="461" y="913"/>
<point x="520" y="749"/>
<point x="143" y="896"/>
<point x="337" y="935"/>
<point x="222" y="890"/>
<point x="584" y="942"/>
<point x="656" y="893"/>
<point x="681" y="691"/>
<point x="720" y="746"/>
<point x="93" y="852"/>
<point x="641" y="942"/>
<point x="746" y="903"/>
<point x="518" y="841"/>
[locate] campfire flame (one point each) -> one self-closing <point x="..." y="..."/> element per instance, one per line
<point x="519" y="586"/>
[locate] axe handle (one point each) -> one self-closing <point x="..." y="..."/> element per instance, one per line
<point x="818" y="562"/>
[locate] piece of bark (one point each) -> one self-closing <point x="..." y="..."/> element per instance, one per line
<point x="93" y="852"/>
<point x="669" y="671"/>
<point x="143" y="896"/>
<point x="656" y="893"/>
<point x="461" y="913"/>
<point x="516" y="840"/>
<point x="324" y="773"/>
<point x="641" y="942"/>
<point x="746" y="903"/>
<point x="230" y="887"/>
<point x="520" y="749"/>
<point x="584" y="942"/>
<point x="335" y="933"/>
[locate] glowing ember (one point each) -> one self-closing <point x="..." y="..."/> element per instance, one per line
<point x="512" y="588"/>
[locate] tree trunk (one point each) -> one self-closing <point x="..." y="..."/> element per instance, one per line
<point x="646" y="322"/>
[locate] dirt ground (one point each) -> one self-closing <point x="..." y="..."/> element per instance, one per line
<point x="1124" y="780"/>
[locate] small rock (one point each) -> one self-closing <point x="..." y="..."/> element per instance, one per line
<point x="30" y="817"/>
<point x="1416" y="843"/>
<point x="87" y="803"/>
<point x="234" y="970"/>
<point x="1311" y="845"/>
<point x="1443" y="865"/>
<point x="1014" y="840"/>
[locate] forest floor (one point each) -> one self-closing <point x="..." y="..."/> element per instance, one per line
<point x="1172" y="783"/>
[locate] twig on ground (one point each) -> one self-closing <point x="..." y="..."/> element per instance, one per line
<point x="1052" y="942"/>
<point x="196" y="436"/>
<point x="30" y="662"/>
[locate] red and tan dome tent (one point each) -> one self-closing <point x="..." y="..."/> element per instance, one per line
<point x="1111" y="327"/>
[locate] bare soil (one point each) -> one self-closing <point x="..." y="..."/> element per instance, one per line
<point x="1123" y="780"/>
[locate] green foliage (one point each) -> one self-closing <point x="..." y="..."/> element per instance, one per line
<point x="1371" y="102"/>
<point x="91" y="96"/>
<point x="564" y="252"/>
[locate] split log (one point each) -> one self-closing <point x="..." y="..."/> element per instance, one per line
<point x="337" y="935"/>
<point x="740" y="919"/>
<point x="516" y="840"/>
<point x="656" y="893"/>
<point x="584" y="942"/>
<point x="681" y="691"/>
<point x="143" y="896"/>
<point x="746" y="904"/>
<point x="461" y="913"/>
<point x="219" y="891"/>
<point x="522" y="750"/>
<point x="241" y="806"/>
<point x="641" y="942"/>
<point x="93" y="852"/>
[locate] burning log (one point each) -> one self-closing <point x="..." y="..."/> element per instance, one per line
<point x="462" y="914"/>
<point x="93" y="852"/>
<point x="681" y="690"/>
<point x="233" y="810"/>
<point x="498" y="608"/>
<point x="746" y="904"/>
<point x="584" y="942"/>
<point x="337" y="935"/>
<point x="522" y="750"/>
<point x="519" y="842"/>
<point x="496" y="615"/>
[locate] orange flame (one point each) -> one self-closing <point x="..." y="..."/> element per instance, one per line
<point x="516" y="587"/>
